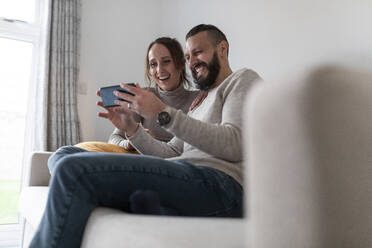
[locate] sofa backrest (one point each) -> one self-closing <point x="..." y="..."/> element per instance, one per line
<point x="309" y="161"/>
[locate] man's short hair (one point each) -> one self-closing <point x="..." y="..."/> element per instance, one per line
<point x="215" y="35"/>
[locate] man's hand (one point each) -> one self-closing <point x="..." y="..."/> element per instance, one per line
<point x="143" y="102"/>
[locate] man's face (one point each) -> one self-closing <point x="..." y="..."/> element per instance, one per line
<point x="202" y="59"/>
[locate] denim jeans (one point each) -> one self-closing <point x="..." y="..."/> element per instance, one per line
<point x="82" y="181"/>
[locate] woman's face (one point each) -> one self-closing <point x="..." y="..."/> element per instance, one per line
<point x="163" y="69"/>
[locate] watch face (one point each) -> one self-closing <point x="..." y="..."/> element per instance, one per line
<point x="163" y="118"/>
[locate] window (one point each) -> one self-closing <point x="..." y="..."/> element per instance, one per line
<point x="15" y="71"/>
<point x="20" y="29"/>
<point x="11" y="10"/>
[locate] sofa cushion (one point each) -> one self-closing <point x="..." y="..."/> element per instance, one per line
<point x="113" y="228"/>
<point x="309" y="169"/>
<point x="129" y="230"/>
<point x="32" y="203"/>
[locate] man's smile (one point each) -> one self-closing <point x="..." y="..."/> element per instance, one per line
<point x="199" y="69"/>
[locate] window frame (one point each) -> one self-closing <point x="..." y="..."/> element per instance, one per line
<point x="28" y="32"/>
<point x="22" y="30"/>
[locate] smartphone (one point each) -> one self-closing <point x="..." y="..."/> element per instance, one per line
<point x="108" y="97"/>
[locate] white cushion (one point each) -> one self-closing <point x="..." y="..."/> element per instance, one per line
<point x="310" y="161"/>
<point x="112" y="228"/>
<point x="32" y="203"/>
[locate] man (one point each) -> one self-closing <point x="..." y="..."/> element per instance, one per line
<point x="197" y="173"/>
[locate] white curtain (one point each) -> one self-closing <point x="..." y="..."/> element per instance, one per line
<point x="52" y="119"/>
<point x="36" y="123"/>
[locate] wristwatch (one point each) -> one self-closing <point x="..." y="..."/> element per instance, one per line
<point x="164" y="117"/>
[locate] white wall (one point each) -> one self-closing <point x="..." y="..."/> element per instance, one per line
<point x="274" y="37"/>
<point x="279" y="37"/>
<point x="115" y="35"/>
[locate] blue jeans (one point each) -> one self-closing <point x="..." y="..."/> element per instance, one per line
<point x="82" y="181"/>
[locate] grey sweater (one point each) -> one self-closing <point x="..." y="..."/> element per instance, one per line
<point x="210" y="135"/>
<point x="179" y="98"/>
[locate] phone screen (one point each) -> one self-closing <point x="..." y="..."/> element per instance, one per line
<point x="108" y="97"/>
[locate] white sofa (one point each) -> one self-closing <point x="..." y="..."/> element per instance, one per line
<point x="308" y="153"/>
<point x="112" y="228"/>
<point x="310" y="161"/>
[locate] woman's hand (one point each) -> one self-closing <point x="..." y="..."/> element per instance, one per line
<point x="143" y="102"/>
<point x="120" y="116"/>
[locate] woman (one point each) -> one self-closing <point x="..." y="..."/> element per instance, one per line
<point x="165" y="66"/>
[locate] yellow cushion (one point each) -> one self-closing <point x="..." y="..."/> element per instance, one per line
<point x="95" y="146"/>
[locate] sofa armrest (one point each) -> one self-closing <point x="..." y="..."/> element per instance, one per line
<point x="37" y="169"/>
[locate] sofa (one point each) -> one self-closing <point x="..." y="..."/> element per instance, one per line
<point x="112" y="228"/>
<point x="308" y="170"/>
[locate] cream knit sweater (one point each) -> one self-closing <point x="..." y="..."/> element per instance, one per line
<point x="210" y="135"/>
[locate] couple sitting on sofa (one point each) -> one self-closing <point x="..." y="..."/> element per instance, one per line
<point x="165" y="66"/>
<point x="197" y="173"/>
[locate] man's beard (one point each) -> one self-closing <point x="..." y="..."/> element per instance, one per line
<point x="213" y="68"/>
